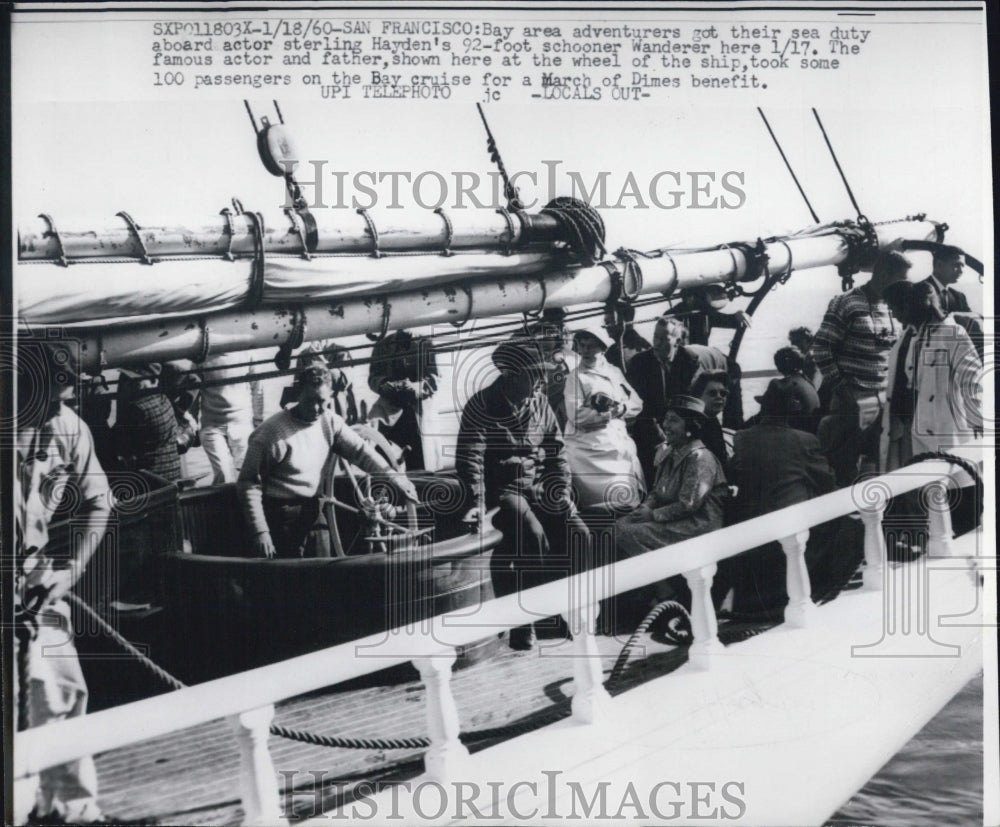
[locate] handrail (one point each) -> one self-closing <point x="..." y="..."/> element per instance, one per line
<point x="37" y="749"/>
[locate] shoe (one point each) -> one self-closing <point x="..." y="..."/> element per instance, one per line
<point x="522" y="638"/>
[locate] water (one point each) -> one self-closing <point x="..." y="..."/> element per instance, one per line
<point x="937" y="778"/>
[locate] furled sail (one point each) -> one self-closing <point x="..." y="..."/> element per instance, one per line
<point x="280" y="289"/>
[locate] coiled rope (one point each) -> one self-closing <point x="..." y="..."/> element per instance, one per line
<point x="583" y="225"/>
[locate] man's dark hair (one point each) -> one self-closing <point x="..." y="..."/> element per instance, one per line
<point x="890" y="262"/>
<point x="703" y="379"/>
<point x="789" y="360"/>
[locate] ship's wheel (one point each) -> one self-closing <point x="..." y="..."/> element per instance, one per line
<point x="363" y="515"/>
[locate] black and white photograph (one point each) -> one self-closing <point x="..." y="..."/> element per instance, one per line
<point x="433" y="414"/>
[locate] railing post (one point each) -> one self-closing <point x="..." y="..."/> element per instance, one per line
<point x="704" y="626"/>
<point x="874" y="572"/>
<point x="446" y="752"/>
<point x="939" y="536"/>
<point x="800" y="606"/>
<point x="258" y="779"/>
<point x="591" y="700"/>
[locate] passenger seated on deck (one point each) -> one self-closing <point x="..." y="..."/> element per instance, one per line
<point x="773" y="466"/>
<point x="510" y="455"/>
<point x="601" y="454"/>
<point x="712" y="388"/>
<point x="687" y="497"/>
<point x="557" y="353"/>
<point x="280" y="482"/>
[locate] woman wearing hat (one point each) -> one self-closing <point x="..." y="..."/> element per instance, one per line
<point x="687" y="498"/>
<point x="601" y="454"/>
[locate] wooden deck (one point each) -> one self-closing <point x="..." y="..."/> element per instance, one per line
<point x="190" y="776"/>
<point x="789" y="706"/>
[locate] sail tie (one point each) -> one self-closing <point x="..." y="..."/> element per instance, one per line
<point x="372" y="231"/>
<point x="52" y="232"/>
<point x="449" y="231"/>
<point x="256" y="292"/>
<point x="133" y="229"/>
<point x="226" y="213"/>
<point x="508" y="248"/>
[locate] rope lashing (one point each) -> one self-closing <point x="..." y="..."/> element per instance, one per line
<point x="133" y="229"/>
<point x="52" y="232"/>
<point x="508" y="248"/>
<point x="583" y="226"/>
<point x="449" y="232"/>
<point x="372" y="231"/>
<point x="226" y="213"/>
<point x="205" y="344"/>
<point x="304" y="226"/>
<point x="283" y="358"/>
<point x="862" y="247"/>
<point x="255" y="294"/>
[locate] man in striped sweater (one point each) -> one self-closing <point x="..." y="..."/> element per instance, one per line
<point x="281" y="478"/>
<point x="851" y="349"/>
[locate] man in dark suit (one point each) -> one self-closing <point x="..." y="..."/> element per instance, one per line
<point x="773" y="466"/>
<point x="667" y="369"/>
<point x="948" y="264"/>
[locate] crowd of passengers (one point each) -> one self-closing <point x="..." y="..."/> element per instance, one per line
<point x="587" y="428"/>
<point x="579" y="433"/>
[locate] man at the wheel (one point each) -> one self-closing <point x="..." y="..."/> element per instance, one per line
<point x="282" y="474"/>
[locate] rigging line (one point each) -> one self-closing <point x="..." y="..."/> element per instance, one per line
<point x="833" y="155"/>
<point x="791" y="171"/>
<point x="253" y="123"/>
<point x="509" y="191"/>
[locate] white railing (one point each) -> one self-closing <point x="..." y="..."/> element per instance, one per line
<point x="247" y="699"/>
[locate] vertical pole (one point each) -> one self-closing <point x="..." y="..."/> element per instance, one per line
<point x="800" y="606"/>
<point x="591" y="700"/>
<point x="939" y="539"/>
<point x="704" y="626"/>
<point x="258" y="779"/>
<point x="446" y="751"/>
<point x="874" y="571"/>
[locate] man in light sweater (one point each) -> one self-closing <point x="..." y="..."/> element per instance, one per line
<point x="282" y="473"/>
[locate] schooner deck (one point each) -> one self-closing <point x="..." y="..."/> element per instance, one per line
<point x="775" y="713"/>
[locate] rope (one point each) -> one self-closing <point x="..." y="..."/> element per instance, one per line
<point x="449" y="231"/>
<point x="843" y="177"/>
<point x="54" y="233"/>
<point x="967" y="466"/>
<point x="583" y="226"/>
<point x="791" y="172"/>
<point x="304" y="736"/>
<point x="256" y="292"/>
<point x="509" y="190"/>
<point x="641" y="629"/>
<point x="133" y="229"/>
